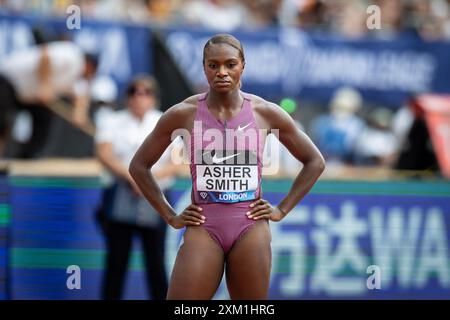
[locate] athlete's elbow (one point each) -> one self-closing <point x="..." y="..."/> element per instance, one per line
<point x="135" y="168"/>
<point x="319" y="164"/>
<point x="132" y="169"/>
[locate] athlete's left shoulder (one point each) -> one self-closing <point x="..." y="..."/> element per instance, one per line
<point x="262" y="106"/>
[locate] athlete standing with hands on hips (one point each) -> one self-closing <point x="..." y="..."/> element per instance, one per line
<point x="227" y="223"/>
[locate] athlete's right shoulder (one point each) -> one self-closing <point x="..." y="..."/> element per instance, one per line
<point x="186" y="107"/>
<point x="193" y="99"/>
<point x="181" y="114"/>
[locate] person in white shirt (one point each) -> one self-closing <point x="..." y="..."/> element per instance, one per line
<point x="126" y="212"/>
<point x="104" y="94"/>
<point x="34" y="78"/>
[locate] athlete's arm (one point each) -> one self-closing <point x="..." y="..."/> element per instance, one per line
<point x="302" y="148"/>
<point x="148" y="154"/>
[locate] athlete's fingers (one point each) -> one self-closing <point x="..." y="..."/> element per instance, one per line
<point x="260" y="213"/>
<point x="251" y="205"/>
<point x="194" y="207"/>
<point x="193" y="219"/>
<point x="264" y="215"/>
<point x="258" y="208"/>
<point x="193" y="214"/>
<point x="259" y="201"/>
<point x="191" y="223"/>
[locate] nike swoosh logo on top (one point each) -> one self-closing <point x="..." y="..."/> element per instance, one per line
<point x="215" y="159"/>
<point x="240" y="129"/>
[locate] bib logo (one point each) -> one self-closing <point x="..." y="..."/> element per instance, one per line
<point x="203" y="195"/>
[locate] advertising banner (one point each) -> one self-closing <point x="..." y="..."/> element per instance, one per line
<point x="355" y="240"/>
<point x="291" y="62"/>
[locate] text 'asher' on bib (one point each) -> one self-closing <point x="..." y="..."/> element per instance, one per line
<point x="227" y="175"/>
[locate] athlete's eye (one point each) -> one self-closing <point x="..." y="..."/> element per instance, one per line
<point x="212" y="65"/>
<point x="231" y="65"/>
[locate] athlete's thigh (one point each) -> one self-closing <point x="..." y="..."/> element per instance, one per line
<point x="198" y="267"/>
<point x="249" y="262"/>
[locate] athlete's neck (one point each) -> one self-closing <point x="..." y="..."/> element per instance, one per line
<point x="229" y="100"/>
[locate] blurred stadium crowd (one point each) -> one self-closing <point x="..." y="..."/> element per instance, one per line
<point x="347" y="130"/>
<point x="428" y="19"/>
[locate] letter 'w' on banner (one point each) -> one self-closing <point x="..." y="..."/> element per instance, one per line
<point x="436" y="110"/>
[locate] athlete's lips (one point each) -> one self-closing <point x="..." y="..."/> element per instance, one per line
<point x="221" y="82"/>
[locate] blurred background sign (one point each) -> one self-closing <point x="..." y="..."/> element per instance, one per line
<point x="293" y="62"/>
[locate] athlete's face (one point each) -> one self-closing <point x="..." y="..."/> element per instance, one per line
<point x="223" y="67"/>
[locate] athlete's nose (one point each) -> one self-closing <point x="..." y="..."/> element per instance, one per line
<point x="222" y="72"/>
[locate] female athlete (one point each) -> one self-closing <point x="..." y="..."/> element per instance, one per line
<point x="227" y="224"/>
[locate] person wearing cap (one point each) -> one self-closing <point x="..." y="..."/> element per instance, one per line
<point x="33" y="79"/>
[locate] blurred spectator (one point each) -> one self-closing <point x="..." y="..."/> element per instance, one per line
<point x="429" y="19"/>
<point x="392" y="19"/>
<point x="125" y="212"/>
<point x="349" y="18"/>
<point x="287" y="14"/>
<point x="417" y="150"/>
<point x="104" y="94"/>
<point x="261" y="13"/>
<point x="36" y="78"/>
<point x="402" y="121"/>
<point x="377" y="145"/>
<point x="15" y="5"/>
<point x="335" y="133"/>
<point x="310" y="15"/>
<point x="224" y="15"/>
<point x="164" y="11"/>
<point x="401" y="124"/>
<point x="124" y="10"/>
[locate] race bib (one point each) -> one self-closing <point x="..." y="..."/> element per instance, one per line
<point x="227" y="176"/>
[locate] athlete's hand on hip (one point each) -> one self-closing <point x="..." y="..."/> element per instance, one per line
<point x="262" y="209"/>
<point x="191" y="216"/>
